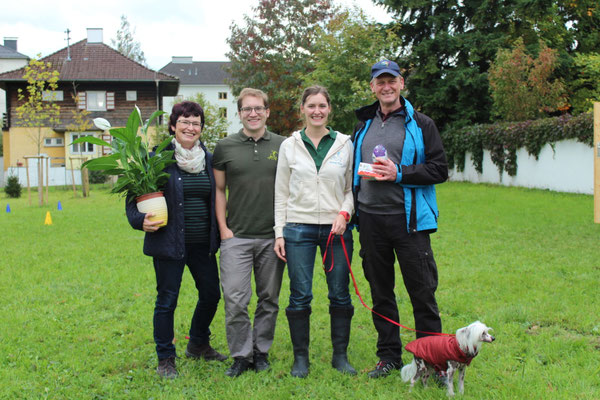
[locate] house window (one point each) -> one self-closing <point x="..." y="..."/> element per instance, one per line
<point x="52" y="95"/>
<point x="96" y="101"/>
<point x="223" y="112"/>
<point x="81" y="148"/>
<point x="222" y="95"/>
<point x="53" y="142"/>
<point x="131" y="95"/>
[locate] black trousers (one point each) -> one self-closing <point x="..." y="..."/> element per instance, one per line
<point x="380" y="237"/>
<point x="203" y="267"/>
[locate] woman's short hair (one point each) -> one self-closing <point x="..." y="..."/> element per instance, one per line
<point x="252" y="92"/>
<point x="316" y="89"/>
<point x="185" y="109"/>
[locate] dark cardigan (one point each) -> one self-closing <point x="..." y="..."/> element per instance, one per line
<point x="169" y="241"/>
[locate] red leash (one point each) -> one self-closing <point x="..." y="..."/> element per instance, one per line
<point x="330" y="241"/>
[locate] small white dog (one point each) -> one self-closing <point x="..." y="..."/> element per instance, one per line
<point x="446" y="354"/>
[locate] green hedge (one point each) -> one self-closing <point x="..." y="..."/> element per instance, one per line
<point x="505" y="138"/>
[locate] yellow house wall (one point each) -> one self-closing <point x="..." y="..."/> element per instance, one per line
<point x="5" y="144"/>
<point x="78" y="159"/>
<point x="74" y="160"/>
<point x="21" y="141"/>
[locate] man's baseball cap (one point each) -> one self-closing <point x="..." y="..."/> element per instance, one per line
<point x="385" y="67"/>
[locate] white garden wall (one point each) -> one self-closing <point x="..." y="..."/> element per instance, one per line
<point x="58" y="176"/>
<point x="569" y="168"/>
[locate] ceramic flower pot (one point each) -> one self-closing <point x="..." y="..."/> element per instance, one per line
<point x="154" y="203"/>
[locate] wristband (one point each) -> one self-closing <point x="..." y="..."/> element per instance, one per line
<point x="345" y="215"/>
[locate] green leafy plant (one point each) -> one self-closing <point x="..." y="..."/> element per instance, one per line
<point x="13" y="188"/>
<point x="139" y="171"/>
<point x="503" y="139"/>
<point x="98" y="177"/>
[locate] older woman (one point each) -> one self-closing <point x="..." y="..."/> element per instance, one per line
<point x="313" y="198"/>
<point x="190" y="238"/>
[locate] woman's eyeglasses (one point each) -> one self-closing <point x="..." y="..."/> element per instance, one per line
<point x="187" y="124"/>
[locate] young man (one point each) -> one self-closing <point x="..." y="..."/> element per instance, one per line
<point x="398" y="210"/>
<point x="245" y="164"/>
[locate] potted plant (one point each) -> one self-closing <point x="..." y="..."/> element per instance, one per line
<point x="140" y="171"/>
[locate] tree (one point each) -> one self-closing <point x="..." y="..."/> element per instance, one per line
<point x="273" y="51"/>
<point x="344" y="53"/>
<point x="449" y="45"/>
<point x="215" y="123"/>
<point x="80" y="122"/>
<point x="586" y="86"/>
<point x="125" y="43"/>
<point x="37" y="108"/>
<point x="523" y="86"/>
<point x="80" y="118"/>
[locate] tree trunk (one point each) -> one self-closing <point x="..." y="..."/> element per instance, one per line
<point x="40" y="182"/>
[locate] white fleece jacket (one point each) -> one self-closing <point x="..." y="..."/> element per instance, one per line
<point x="303" y="195"/>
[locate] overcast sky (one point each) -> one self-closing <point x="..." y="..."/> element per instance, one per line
<point x="167" y="28"/>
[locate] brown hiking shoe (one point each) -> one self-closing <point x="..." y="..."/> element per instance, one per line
<point x="166" y="368"/>
<point x="203" y="351"/>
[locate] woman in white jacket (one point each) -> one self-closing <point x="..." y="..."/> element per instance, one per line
<point x="313" y="197"/>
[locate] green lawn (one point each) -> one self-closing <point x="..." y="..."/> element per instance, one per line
<point x="76" y="301"/>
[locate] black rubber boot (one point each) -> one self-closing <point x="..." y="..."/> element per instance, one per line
<point x="299" y="321"/>
<point x="341" y="319"/>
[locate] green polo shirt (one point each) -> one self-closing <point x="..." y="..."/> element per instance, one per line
<point x="250" y="169"/>
<point x="320" y="152"/>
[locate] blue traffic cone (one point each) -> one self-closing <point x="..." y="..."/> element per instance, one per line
<point x="59" y="206"/>
<point x="7" y="207"/>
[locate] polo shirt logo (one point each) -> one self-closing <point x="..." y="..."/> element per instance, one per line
<point x="273" y="155"/>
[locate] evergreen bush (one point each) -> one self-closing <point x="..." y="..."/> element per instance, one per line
<point x="97" y="176"/>
<point x="13" y="188"/>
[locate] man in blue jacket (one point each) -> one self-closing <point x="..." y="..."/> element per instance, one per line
<point x="397" y="210"/>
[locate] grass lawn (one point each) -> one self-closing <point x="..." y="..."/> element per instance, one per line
<point x="76" y="303"/>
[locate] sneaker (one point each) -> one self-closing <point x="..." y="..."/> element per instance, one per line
<point x="166" y="368"/>
<point x="261" y="362"/>
<point x="384" y="368"/>
<point x="204" y="351"/>
<point x="239" y="366"/>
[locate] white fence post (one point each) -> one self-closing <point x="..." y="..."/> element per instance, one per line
<point x="596" y="146"/>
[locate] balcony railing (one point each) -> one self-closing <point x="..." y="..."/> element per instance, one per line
<point x="5" y="121"/>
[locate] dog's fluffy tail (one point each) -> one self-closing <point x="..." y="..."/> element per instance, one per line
<point x="409" y="371"/>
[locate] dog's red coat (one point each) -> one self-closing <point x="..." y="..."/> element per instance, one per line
<point x="437" y="350"/>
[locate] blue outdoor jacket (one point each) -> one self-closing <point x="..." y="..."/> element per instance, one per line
<point x="422" y="166"/>
<point x="169" y="241"/>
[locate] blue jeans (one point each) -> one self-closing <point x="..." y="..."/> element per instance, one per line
<point x="301" y="242"/>
<point x="203" y="267"/>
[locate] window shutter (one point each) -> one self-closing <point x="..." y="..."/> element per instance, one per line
<point x="110" y="100"/>
<point x="81" y="105"/>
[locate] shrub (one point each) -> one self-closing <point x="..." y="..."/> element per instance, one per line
<point x="13" y="188"/>
<point x="503" y="140"/>
<point x="97" y="176"/>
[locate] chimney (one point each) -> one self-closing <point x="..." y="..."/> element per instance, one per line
<point x="11" y="43"/>
<point x="94" y="35"/>
<point x="181" y="60"/>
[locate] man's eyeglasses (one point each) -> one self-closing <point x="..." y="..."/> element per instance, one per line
<point x="186" y="124"/>
<point x="248" y="110"/>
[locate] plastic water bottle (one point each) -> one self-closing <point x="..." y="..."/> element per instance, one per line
<point x="379" y="151"/>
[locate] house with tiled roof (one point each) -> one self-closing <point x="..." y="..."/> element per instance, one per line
<point x="208" y="78"/>
<point x="107" y="84"/>
<point x="10" y="59"/>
